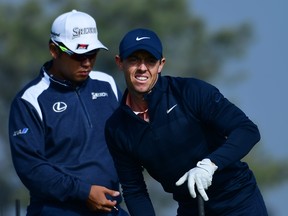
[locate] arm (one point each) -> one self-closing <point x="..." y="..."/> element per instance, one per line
<point x="38" y="174"/>
<point x="230" y="134"/>
<point x="131" y="179"/>
<point x="228" y="121"/>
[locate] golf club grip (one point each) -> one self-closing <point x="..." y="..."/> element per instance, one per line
<point x="201" y="210"/>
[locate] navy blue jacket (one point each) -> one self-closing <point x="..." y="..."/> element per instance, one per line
<point x="57" y="138"/>
<point x="189" y="120"/>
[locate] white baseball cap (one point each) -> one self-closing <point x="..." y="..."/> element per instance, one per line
<point x="77" y="31"/>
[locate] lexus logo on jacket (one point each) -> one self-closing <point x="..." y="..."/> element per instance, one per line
<point x="59" y="107"/>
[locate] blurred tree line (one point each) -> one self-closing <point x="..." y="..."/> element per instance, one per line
<point x="189" y="48"/>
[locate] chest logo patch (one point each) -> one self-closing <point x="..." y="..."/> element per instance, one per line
<point x="96" y="95"/>
<point x="169" y="110"/>
<point x="59" y="107"/>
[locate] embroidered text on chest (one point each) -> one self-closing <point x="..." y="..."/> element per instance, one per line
<point x="96" y="95"/>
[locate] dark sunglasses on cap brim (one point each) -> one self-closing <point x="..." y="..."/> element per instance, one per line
<point x="78" y="57"/>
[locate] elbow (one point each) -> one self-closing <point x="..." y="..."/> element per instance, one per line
<point x="257" y="134"/>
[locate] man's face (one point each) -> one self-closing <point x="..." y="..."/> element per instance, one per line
<point x="141" y="71"/>
<point x="74" y="68"/>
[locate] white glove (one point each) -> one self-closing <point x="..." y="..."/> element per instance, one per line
<point x="201" y="175"/>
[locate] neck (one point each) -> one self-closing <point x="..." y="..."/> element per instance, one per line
<point x="136" y="103"/>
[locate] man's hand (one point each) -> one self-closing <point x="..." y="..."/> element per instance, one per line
<point x="97" y="200"/>
<point x="201" y="175"/>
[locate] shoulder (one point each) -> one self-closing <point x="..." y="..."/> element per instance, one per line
<point x="30" y="94"/>
<point x="193" y="92"/>
<point x="101" y="76"/>
<point x="33" y="89"/>
<point x="189" y="85"/>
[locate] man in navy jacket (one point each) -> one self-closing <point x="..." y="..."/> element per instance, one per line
<point x="57" y="123"/>
<point x="184" y="132"/>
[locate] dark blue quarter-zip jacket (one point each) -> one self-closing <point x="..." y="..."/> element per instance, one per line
<point x="57" y="138"/>
<point x="189" y="120"/>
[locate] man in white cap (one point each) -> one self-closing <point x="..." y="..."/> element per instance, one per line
<point x="56" y="127"/>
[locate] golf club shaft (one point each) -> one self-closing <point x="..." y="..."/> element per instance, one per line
<point x="201" y="210"/>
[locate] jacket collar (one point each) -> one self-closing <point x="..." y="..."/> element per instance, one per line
<point x="157" y="91"/>
<point x="57" y="82"/>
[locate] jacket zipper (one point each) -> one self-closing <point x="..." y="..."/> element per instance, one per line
<point x="84" y="108"/>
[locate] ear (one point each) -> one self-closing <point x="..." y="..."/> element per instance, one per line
<point x="161" y="65"/>
<point x="119" y="62"/>
<point x="54" y="51"/>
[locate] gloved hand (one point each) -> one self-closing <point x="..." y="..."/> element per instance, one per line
<point x="201" y="175"/>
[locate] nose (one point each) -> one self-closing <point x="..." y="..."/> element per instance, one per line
<point x="87" y="62"/>
<point x="142" y="66"/>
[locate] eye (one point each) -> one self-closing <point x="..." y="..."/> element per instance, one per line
<point x="133" y="60"/>
<point x="151" y="61"/>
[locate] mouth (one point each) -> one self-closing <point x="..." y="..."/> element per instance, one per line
<point x="141" y="78"/>
<point x="84" y="72"/>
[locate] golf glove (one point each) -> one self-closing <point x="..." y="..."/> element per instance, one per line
<point x="201" y="175"/>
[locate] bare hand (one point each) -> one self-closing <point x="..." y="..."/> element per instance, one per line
<point x="97" y="200"/>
